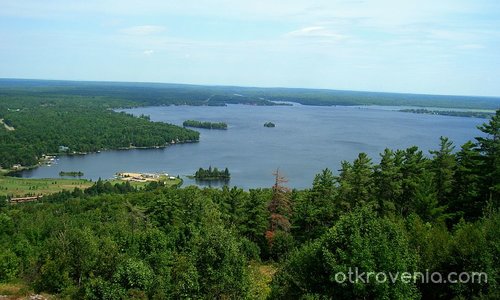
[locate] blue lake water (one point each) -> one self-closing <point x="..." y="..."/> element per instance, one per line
<point x="306" y="140"/>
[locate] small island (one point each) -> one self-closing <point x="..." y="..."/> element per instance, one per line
<point x="72" y="174"/>
<point x="269" y="124"/>
<point x="212" y="174"/>
<point x="206" y="125"/>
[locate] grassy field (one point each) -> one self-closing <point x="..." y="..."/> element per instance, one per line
<point x="27" y="186"/>
<point x="15" y="291"/>
<point x="168" y="182"/>
<point x="24" y="186"/>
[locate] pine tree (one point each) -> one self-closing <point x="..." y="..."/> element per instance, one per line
<point x="426" y="203"/>
<point x="344" y="186"/>
<point x="255" y="217"/>
<point x="322" y="195"/>
<point x="489" y="147"/>
<point x="316" y="211"/>
<point x="280" y="205"/>
<point x="413" y="167"/>
<point x="362" y="179"/>
<point x="466" y="193"/>
<point x="444" y="165"/>
<point x="388" y="181"/>
<point x="356" y="182"/>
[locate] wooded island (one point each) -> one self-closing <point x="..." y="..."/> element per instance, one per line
<point x="212" y="174"/>
<point x="452" y="113"/>
<point x="206" y="125"/>
<point x="72" y="173"/>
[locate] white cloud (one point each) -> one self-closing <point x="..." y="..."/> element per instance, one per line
<point x="360" y="38"/>
<point x="315" y="32"/>
<point x="143" y="30"/>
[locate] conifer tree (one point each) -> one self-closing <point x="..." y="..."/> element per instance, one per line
<point x="489" y="147"/>
<point x="356" y="182"/>
<point x="426" y="203"/>
<point x="466" y="196"/>
<point x="413" y="168"/>
<point x="444" y="165"/>
<point x="316" y="211"/>
<point x="388" y="181"/>
<point x="280" y="205"/>
<point x="255" y="216"/>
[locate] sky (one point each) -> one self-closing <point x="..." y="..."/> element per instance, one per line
<point x="418" y="46"/>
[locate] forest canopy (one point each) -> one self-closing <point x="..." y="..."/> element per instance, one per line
<point x="206" y="125"/>
<point x="73" y="124"/>
<point x="409" y="213"/>
<point x="184" y="94"/>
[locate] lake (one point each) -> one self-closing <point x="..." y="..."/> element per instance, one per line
<point x="306" y="140"/>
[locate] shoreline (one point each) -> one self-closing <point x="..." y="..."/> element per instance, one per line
<point x="11" y="172"/>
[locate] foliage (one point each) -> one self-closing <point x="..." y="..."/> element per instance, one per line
<point x="53" y="125"/>
<point x="358" y="241"/>
<point x="280" y="210"/>
<point x="9" y="265"/>
<point x="317" y="209"/>
<point x="473" y="114"/>
<point x="489" y="147"/>
<point x="71" y="173"/>
<point x="158" y="243"/>
<point x="409" y="212"/>
<point x="130" y="94"/>
<point x="212" y="174"/>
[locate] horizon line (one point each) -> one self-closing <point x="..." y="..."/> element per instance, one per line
<point x="251" y="86"/>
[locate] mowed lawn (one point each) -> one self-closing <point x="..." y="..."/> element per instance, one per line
<point x="24" y="186"/>
<point x="168" y="182"/>
<point x="14" y="186"/>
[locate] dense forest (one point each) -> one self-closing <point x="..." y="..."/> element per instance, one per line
<point x="184" y="94"/>
<point x="206" y="125"/>
<point x="411" y="212"/>
<point x="73" y="124"/>
<point x="71" y="173"/>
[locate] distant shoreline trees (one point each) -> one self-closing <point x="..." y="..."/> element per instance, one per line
<point x="79" y="125"/>
<point x="409" y="214"/>
<point x="73" y="173"/>
<point x="452" y="113"/>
